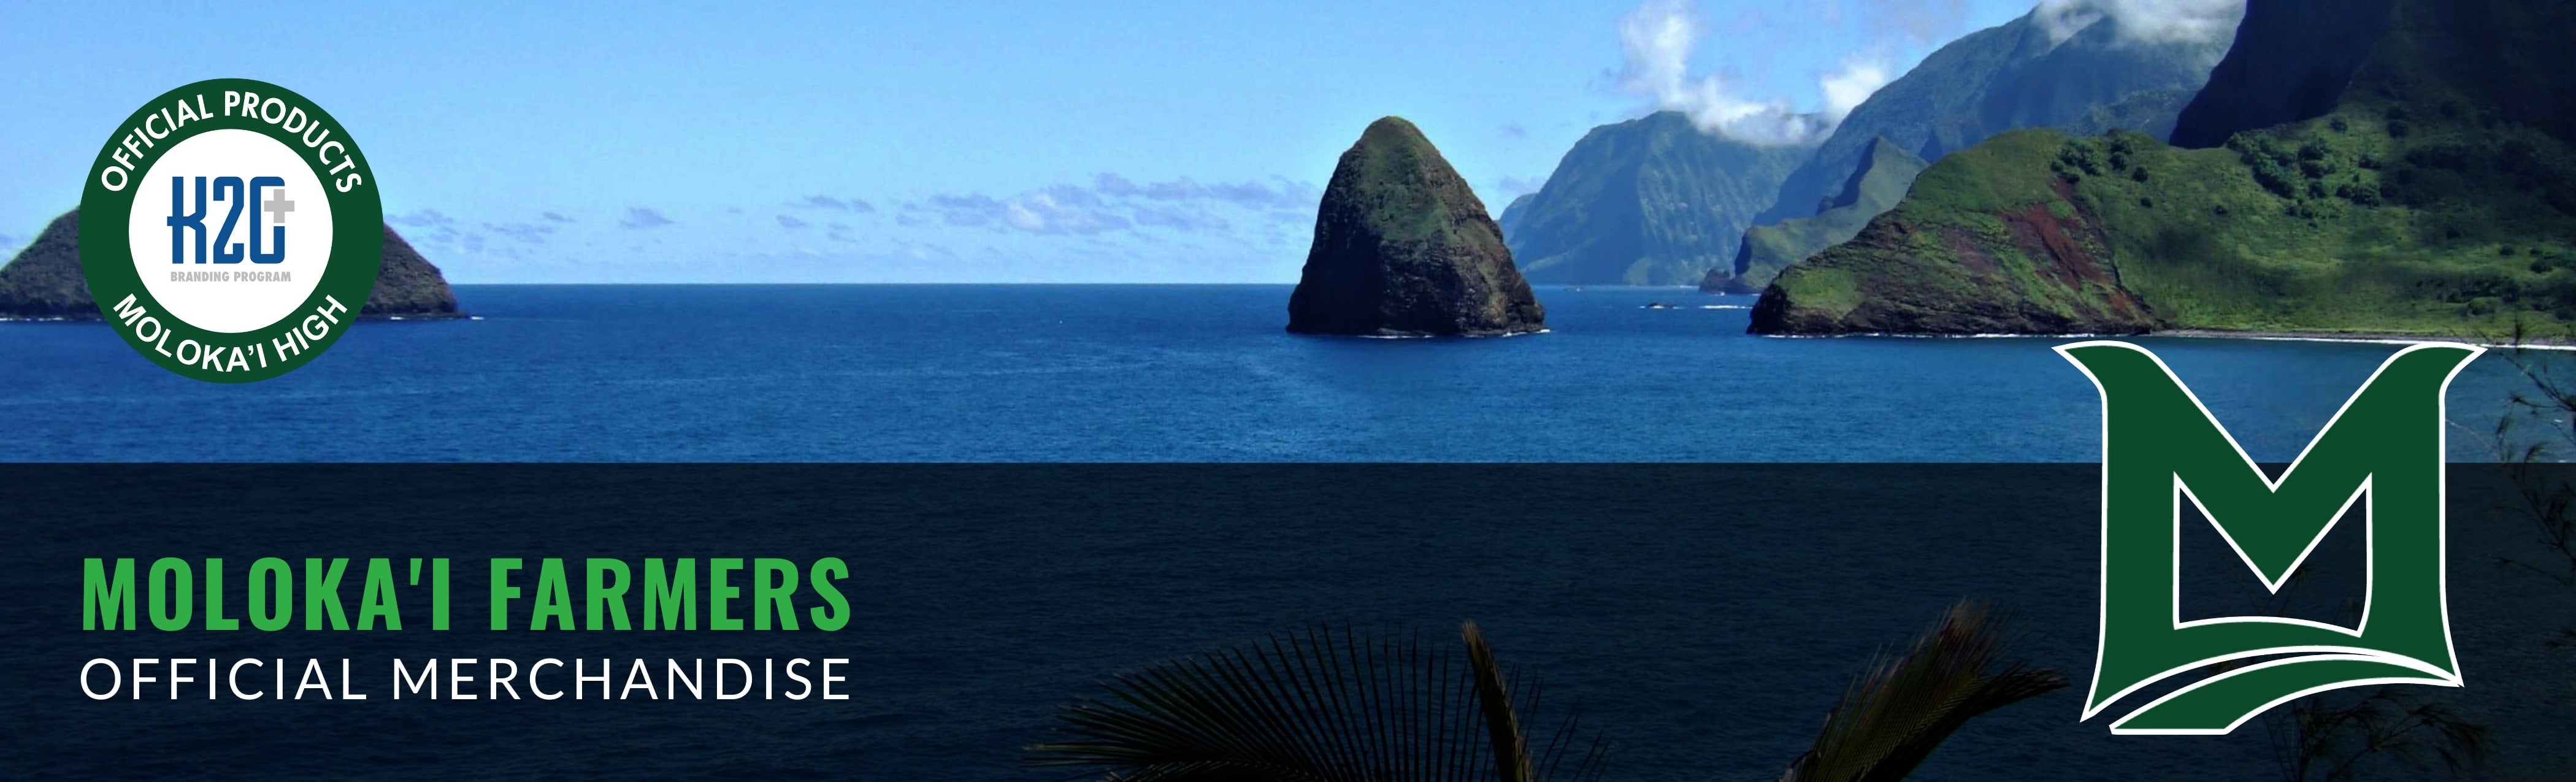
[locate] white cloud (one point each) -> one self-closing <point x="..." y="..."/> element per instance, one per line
<point x="422" y="218"/>
<point x="1249" y="195"/>
<point x="859" y="205"/>
<point x="526" y="232"/>
<point x="1659" y="37"/>
<point x="1657" y="40"/>
<point x="643" y="217"/>
<point x="1114" y="204"/>
<point x="1844" y="90"/>
<point x="1179" y="218"/>
<point x="1022" y="213"/>
<point x="1061" y="209"/>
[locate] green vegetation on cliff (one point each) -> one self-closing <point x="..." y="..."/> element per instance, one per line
<point x="2298" y="56"/>
<point x="1650" y="201"/>
<point x="2334" y="225"/>
<point x="2419" y="204"/>
<point x="1404" y="247"/>
<point x="1995" y="248"/>
<point x="1880" y="183"/>
<point x="45" y="281"/>
<point x="2068" y="66"/>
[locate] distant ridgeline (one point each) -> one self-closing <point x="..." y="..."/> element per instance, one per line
<point x="1885" y="172"/>
<point x="45" y="281"/>
<point x="2381" y="166"/>
<point x="1650" y="201"/>
<point x="1654" y="201"/>
<point x="2016" y="75"/>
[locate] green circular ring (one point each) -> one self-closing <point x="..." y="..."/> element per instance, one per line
<point x="357" y="225"/>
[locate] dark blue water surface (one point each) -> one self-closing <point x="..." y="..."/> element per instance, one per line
<point x="1132" y="373"/>
<point x="1707" y="616"/>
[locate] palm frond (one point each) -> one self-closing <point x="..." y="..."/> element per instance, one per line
<point x="1320" y="706"/>
<point x="1891" y="718"/>
<point x="1503" y="728"/>
<point x="2333" y="737"/>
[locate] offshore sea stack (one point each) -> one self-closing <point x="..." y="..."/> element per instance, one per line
<point x="45" y="281"/>
<point x="1404" y="248"/>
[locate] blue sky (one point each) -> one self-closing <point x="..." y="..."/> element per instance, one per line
<point x="915" y="142"/>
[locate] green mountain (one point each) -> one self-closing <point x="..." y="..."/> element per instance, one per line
<point x="1403" y="247"/>
<point x="2030" y="72"/>
<point x="1654" y="201"/>
<point x="1886" y="171"/>
<point x="2436" y="195"/>
<point x="45" y="280"/>
<point x="1513" y="212"/>
<point x="2019" y="74"/>
<point x="1650" y="201"/>
<point x="2308" y="52"/>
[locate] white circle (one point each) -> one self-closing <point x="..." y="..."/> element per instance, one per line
<point x="244" y="295"/>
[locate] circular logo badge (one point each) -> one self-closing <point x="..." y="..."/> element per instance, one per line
<point x="230" y="230"/>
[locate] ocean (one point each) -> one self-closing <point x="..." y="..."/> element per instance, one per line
<point x="1704" y="616"/>
<point x="1012" y="373"/>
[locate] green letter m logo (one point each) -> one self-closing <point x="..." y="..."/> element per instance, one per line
<point x="2159" y="446"/>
